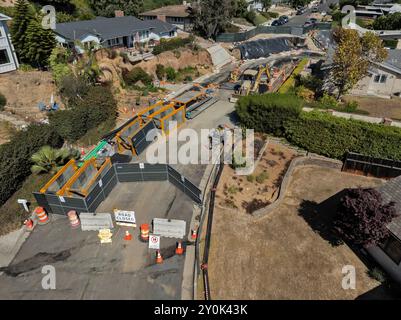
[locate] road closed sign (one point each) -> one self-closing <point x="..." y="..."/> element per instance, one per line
<point x="154" y="242"/>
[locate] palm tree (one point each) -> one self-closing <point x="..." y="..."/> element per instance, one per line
<point x="49" y="160"/>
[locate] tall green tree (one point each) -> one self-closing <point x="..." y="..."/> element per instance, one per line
<point x="23" y="14"/>
<point x="107" y="8"/>
<point x="266" y="4"/>
<point x="211" y="16"/>
<point x="352" y="58"/>
<point x="39" y="42"/>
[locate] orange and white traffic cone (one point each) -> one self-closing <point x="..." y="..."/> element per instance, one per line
<point x="194" y="234"/>
<point x="179" y="250"/>
<point x="127" y="236"/>
<point x="159" y="258"/>
<point x="28" y="224"/>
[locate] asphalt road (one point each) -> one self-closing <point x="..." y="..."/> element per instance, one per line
<point x="298" y="21"/>
<point x="85" y="269"/>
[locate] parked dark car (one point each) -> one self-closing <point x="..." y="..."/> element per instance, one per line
<point x="276" y="23"/>
<point x="300" y="11"/>
<point x="313" y="20"/>
<point x="283" y="19"/>
<point x="308" y="23"/>
<point x="315" y="9"/>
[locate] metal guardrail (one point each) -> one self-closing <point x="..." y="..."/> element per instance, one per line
<point x="215" y="175"/>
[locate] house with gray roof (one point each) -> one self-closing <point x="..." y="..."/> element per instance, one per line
<point x="388" y="254"/>
<point x="120" y="31"/>
<point x="383" y="79"/>
<point x="8" y="58"/>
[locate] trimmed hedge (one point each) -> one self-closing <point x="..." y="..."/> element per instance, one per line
<point x="330" y="136"/>
<point x="15" y="156"/>
<point x="317" y="132"/>
<point x="269" y="112"/>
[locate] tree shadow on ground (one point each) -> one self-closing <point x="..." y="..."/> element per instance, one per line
<point x="320" y="217"/>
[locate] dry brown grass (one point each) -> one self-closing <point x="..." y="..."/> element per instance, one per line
<point x="378" y="107"/>
<point x="282" y="255"/>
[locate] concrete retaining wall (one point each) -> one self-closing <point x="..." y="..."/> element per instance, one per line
<point x="300" y="161"/>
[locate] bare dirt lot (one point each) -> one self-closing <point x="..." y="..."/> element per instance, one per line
<point x="24" y="90"/>
<point x="289" y="253"/>
<point x="259" y="189"/>
<point x="378" y="107"/>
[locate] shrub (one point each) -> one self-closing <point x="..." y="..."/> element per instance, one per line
<point x="171" y="44"/>
<point x="267" y="113"/>
<point x="328" y="102"/>
<point x="262" y="177"/>
<point x="97" y="106"/>
<point x="135" y="75"/>
<point x="3" y="101"/>
<point x="362" y="216"/>
<point x="250" y="178"/>
<point x="15" y="156"/>
<point x="160" y="71"/>
<point x="171" y="74"/>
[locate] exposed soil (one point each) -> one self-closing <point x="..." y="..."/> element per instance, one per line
<point x="180" y="59"/>
<point x="288" y="254"/>
<point x="24" y="90"/>
<point x="249" y="193"/>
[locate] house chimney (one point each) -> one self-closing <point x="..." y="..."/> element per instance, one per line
<point x="118" y="13"/>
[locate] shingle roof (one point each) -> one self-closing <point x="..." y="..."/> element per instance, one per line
<point x="109" y="28"/>
<point x="169" y="11"/>
<point x="394" y="58"/>
<point x="391" y="191"/>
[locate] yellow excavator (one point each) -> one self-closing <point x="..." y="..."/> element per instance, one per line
<point x="263" y="77"/>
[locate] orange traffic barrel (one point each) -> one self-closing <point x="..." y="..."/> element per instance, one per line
<point x="145" y="232"/>
<point x="74" y="220"/>
<point x="42" y="215"/>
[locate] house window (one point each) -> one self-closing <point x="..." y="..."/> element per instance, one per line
<point x="4" y="58"/>
<point x="380" y="78"/>
<point x="392" y="247"/>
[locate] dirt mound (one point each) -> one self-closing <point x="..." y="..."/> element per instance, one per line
<point x="178" y="60"/>
<point x="24" y="90"/>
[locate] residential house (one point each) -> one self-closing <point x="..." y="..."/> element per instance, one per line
<point x="178" y="15"/>
<point x="388" y="254"/>
<point x="120" y="31"/>
<point x="8" y="58"/>
<point x="383" y="79"/>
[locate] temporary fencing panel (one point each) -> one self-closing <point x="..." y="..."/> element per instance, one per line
<point x="60" y="179"/>
<point x="177" y="117"/>
<point x="108" y="179"/>
<point x="139" y="141"/>
<point x="243" y="36"/>
<point x="184" y="185"/>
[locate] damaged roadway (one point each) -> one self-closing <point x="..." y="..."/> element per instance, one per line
<point x="85" y="269"/>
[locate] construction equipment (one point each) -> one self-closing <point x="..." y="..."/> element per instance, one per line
<point x="263" y="77"/>
<point x="234" y="75"/>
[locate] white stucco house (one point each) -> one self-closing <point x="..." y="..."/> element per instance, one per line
<point x="120" y="31"/>
<point x="8" y="58"/>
